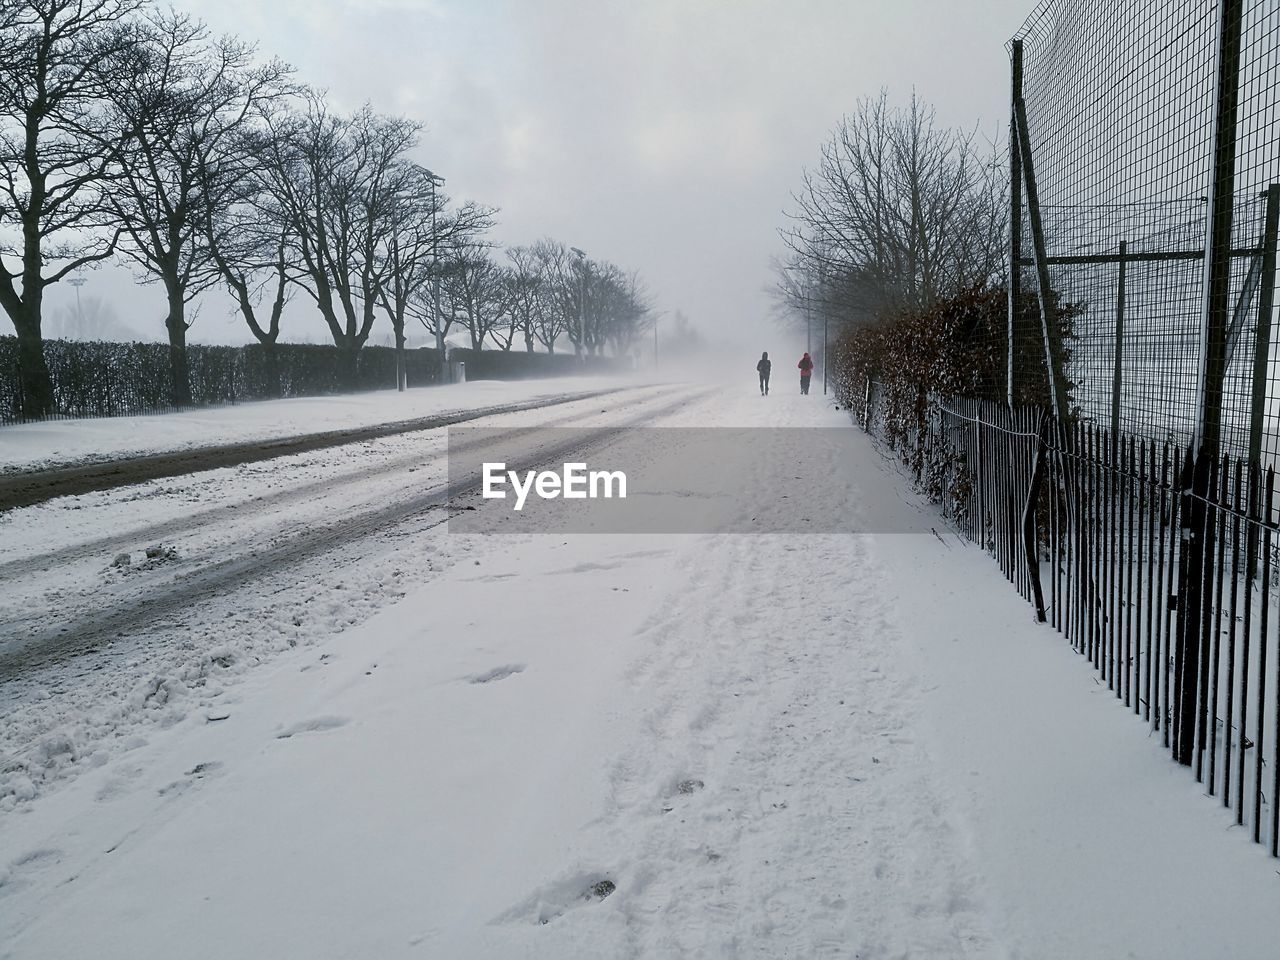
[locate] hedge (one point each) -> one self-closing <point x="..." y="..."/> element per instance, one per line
<point x="98" y="379"/>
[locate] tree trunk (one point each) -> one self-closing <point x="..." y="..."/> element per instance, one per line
<point x="179" y="373"/>
<point x="348" y="364"/>
<point x="402" y="368"/>
<point x="33" y="373"/>
<point x="271" y="360"/>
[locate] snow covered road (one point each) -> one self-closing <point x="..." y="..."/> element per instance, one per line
<point x="254" y="537"/>
<point x="426" y="744"/>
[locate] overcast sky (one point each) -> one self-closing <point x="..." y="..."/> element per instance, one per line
<point x="664" y="135"/>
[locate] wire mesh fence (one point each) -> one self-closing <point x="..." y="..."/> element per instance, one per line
<point x="1125" y="481"/>
<point x="1143" y="156"/>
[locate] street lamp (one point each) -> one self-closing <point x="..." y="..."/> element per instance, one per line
<point x="825" y="348"/>
<point x="435" y="272"/>
<point x="582" y="306"/>
<point x="808" y="319"/>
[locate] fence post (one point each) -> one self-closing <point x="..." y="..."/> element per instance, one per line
<point x="1029" y="531"/>
<point x="1197" y="536"/>
<point x="982" y="479"/>
<point x="1217" y="271"/>
<point x="1118" y="365"/>
<point x="1048" y="315"/>
<point x="1262" y="350"/>
<point x="1196" y="550"/>
<point x="1015" y="219"/>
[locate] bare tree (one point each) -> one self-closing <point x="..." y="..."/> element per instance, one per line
<point x="422" y="232"/>
<point x="58" y="61"/>
<point x="898" y="213"/>
<point x="567" y="273"/>
<point x="253" y="263"/>
<point x="553" y="301"/>
<point x="625" y="311"/>
<point x="411" y="249"/>
<point x="526" y="282"/>
<point x="473" y="290"/>
<point x="186" y="100"/>
<point x="333" y="182"/>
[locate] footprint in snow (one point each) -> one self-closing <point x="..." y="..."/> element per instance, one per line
<point x="497" y="673"/>
<point x="315" y="725"/>
<point x="682" y="788"/>
<point x="12" y="878"/>
<point x="201" y="771"/>
<point x="557" y="899"/>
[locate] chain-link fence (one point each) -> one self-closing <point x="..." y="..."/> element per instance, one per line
<point x="1143" y="153"/>
<point x="1140" y="514"/>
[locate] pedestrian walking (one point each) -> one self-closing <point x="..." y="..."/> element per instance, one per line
<point x="763" y="368"/>
<point x="806" y="371"/>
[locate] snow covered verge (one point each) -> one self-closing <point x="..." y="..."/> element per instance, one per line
<point x="73" y="560"/>
<point x="57" y="442"/>
<point x="648" y="746"/>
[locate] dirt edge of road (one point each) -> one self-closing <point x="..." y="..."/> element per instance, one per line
<point x="30" y="487"/>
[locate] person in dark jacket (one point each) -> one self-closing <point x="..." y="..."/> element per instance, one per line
<point x="763" y="368"/>
<point x="806" y="371"/>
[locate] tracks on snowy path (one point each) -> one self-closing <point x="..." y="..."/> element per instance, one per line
<point x="28" y="488"/>
<point x="108" y="544"/>
<point x="166" y="603"/>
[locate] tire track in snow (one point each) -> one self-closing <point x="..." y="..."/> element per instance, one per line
<point x="30" y="487"/>
<point x="239" y="511"/>
<point x="187" y="592"/>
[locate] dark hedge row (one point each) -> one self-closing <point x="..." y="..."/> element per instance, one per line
<point x="521" y="365"/>
<point x="96" y="379"/>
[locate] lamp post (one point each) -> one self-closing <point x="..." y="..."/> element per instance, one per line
<point x="808" y="320"/>
<point x="824" y="351"/>
<point x="582" y="307"/>
<point x="435" y="180"/>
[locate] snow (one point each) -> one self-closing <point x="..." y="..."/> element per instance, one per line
<point x="643" y="745"/>
<point x="28" y="445"/>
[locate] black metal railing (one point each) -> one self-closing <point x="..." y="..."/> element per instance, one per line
<point x="1093" y="529"/>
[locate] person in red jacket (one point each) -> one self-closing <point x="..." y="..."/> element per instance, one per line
<point x="806" y="371"/>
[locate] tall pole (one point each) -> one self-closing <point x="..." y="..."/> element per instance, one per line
<point x="1015" y="225"/>
<point x="1197" y="534"/>
<point x="78" y="282"/>
<point x="824" y="351"/>
<point x="401" y="373"/>
<point x="808" y="320"/>
<point x="580" y="348"/>
<point x="1117" y="367"/>
<point x="435" y="283"/>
